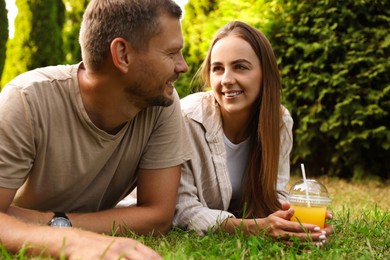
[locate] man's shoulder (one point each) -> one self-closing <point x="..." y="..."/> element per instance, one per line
<point x="39" y="76"/>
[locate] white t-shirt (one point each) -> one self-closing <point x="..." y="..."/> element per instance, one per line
<point x="237" y="157"/>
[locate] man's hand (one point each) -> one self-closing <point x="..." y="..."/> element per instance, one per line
<point x="93" y="246"/>
<point x="72" y="243"/>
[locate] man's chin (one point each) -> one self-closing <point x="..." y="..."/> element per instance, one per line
<point x="163" y="101"/>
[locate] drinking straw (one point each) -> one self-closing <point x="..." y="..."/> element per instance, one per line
<point x="305" y="182"/>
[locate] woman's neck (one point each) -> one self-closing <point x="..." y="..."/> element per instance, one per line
<point x="236" y="126"/>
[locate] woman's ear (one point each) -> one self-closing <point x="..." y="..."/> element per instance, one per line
<point x="120" y="53"/>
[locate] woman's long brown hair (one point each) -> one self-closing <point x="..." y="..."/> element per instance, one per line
<point x="260" y="196"/>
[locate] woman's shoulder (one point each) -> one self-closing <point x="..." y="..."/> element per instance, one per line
<point x="286" y="117"/>
<point x="195" y="101"/>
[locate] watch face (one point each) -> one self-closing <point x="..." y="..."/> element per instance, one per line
<point x="60" y="222"/>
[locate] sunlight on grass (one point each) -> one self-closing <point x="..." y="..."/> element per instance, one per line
<point x="358" y="196"/>
<point x="361" y="219"/>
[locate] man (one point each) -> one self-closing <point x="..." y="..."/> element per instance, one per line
<point x="77" y="139"/>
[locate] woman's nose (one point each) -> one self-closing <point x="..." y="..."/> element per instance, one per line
<point x="227" y="78"/>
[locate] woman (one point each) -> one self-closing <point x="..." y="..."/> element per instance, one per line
<point x="242" y="138"/>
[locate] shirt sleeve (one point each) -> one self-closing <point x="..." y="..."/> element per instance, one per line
<point x="286" y="143"/>
<point x="167" y="143"/>
<point x="16" y="137"/>
<point x="190" y="213"/>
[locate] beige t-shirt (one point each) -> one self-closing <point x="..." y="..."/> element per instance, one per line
<point x="59" y="160"/>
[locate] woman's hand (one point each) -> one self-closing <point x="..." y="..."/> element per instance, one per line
<point x="315" y="232"/>
<point x="279" y="226"/>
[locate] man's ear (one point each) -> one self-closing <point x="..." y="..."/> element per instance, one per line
<point x="120" y="53"/>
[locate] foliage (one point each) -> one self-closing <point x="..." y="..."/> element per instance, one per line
<point x="38" y="39"/>
<point x="334" y="57"/>
<point x="334" y="60"/>
<point x="3" y="34"/>
<point x="74" y="14"/>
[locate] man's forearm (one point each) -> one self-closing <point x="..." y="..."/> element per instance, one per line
<point x="39" y="240"/>
<point x="30" y="216"/>
<point x="141" y="220"/>
<point x="70" y="243"/>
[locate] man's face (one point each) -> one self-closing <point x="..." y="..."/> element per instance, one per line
<point x="154" y="71"/>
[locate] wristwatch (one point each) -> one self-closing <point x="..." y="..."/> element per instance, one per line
<point x="60" y="220"/>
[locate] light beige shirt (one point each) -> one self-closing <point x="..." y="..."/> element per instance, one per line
<point x="60" y="161"/>
<point x="205" y="190"/>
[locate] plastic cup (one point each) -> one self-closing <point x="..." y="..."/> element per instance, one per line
<point x="309" y="207"/>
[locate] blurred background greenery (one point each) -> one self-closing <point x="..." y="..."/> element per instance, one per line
<point x="334" y="58"/>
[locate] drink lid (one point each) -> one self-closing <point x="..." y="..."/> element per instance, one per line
<point x="317" y="194"/>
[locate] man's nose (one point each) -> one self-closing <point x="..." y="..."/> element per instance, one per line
<point x="181" y="66"/>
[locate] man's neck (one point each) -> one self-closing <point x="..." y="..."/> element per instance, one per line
<point x="107" y="108"/>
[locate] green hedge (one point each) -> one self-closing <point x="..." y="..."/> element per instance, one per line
<point x="38" y="37"/>
<point x="335" y="66"/>
<point x="335" y="63"/>
<point x="74" y="15"/>
<point x="3" y="34"/>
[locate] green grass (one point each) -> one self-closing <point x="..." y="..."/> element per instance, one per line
<point x="361" y="219"/>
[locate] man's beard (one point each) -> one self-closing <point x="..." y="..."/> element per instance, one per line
<point x="161" y="101"/>
<point x="143" y="99"/>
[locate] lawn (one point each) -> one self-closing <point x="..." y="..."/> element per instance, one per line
<point x="361" y="217"/>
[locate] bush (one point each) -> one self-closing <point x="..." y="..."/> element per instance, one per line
<point x="334" y="57"/>
<point x="74" y="15"/>
<point x="3" y="34"/>
<point x="38" y="39"/>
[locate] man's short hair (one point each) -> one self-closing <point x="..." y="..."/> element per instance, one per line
<point x="137" y="21"/>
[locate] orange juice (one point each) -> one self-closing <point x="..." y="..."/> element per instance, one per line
<point x="309" y="215"/>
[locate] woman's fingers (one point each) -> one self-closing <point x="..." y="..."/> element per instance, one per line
<point x="281" y="228"/>
<point x="328" y="228"/>
<point x="285" y="205"/>
<point x="328" y="215"/>
<point x="284" y="214"/>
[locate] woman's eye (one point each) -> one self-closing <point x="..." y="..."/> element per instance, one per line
<point x="214" y="69"/>
<point x="241" y="67"/>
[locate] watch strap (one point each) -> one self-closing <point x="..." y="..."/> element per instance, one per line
<point x="60" y="214"/>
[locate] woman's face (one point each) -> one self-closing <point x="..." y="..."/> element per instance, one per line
<point x="235" y="75"/>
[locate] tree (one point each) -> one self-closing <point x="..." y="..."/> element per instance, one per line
<point x="334" y="61"/>
<point x="3" y="35"/>
<point x="38" y="39"/>
<point x="335" y="64"/>
<point x="74" y="14"/>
